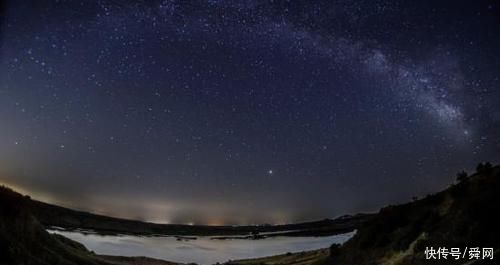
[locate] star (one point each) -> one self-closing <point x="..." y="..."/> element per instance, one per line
<point x="328" y="94"/>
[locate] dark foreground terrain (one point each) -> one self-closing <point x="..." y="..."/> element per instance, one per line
<point x="466" y="215"/>
<point x="23" y="240"/>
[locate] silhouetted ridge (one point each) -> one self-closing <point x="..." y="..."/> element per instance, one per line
<point x="24" y="241"/>
<point x="464" y="215"/>
<point x="55" y="216"/>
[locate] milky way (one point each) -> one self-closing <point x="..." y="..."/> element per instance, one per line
<point x="245" y="111"/>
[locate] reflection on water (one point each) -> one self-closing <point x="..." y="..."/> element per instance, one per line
<point x="203" y="250"/>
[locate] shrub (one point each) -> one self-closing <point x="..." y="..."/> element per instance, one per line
<point x="334" y="250"/>
<point x="461" y="176"/>
<point x="484" y="168"/>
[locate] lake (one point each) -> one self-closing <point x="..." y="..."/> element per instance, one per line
<point x="203" y="250"/>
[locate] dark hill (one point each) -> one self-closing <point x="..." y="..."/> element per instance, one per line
<point x="464" y="215"/>
<point x="23" y="240"/>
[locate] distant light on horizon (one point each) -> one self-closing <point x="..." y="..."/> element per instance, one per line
<point x="231" y="112"/>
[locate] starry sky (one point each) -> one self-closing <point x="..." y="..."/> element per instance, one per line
<point x="245" y="111"/>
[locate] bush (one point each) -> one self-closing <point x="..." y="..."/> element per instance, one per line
<point x="484" y="168"/>
<point x="461" y="176"/>
<point x="334" y="250"/>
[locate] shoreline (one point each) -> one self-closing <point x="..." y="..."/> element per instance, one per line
<point x="188" y="237"/>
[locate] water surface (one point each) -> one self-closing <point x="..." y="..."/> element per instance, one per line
<point x="203" y="250"/>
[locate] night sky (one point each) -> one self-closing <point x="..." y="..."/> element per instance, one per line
<point x="239" y="112"/>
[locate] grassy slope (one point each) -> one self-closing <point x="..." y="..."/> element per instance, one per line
<point x="300" y="258"/>
<point x="464" y="215"/>
<point x="23" y="240"/>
